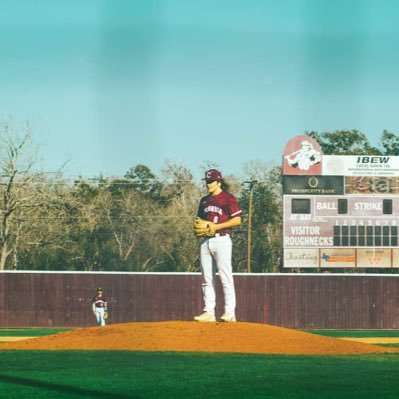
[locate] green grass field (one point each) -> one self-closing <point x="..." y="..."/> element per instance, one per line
<point x="359" y="334"/>
<point x="120" y="374"/>
<point x="355" y="333"/>
<point x="130" y="374"/>
<point x="30" y="332"/>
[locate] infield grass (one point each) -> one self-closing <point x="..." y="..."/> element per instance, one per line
<point x="125" y="374"/>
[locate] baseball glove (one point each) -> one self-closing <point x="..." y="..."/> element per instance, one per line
<point x="203" y="228"/>
<point x="105" y="315"/>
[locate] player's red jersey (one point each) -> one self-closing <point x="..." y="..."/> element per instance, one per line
<point x="219" y="208"/>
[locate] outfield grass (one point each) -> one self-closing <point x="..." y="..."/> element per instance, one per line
<point x="359" y="334"/>
<point x="30" y="332"/>
<point x="123" y="374"/>
<point x="355" y="333"/>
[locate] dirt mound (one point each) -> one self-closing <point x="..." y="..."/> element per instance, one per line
<point x="197" y="337"/>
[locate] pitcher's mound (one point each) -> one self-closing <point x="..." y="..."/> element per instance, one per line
<point x="197" y="337"/>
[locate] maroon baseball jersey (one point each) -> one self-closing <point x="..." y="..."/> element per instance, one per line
<point x="219" y="208"/>
<point x="99" y="301"/>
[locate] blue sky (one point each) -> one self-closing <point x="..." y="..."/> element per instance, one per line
<point x="110" y="84"/>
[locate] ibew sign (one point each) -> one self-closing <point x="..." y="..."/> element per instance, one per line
<point x="363" y="165"/>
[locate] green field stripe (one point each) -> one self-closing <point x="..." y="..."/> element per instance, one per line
<point x="30" y="332"/>
<point x="355" y="333"/>
<point x="15" y="339"/>
<point x="156" y="375"/>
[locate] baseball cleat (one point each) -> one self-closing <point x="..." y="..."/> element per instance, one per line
<point x="205" y="317"/>
<point x="228" y="317"/>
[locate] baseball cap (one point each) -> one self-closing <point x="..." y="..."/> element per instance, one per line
<point x="212" y="175"/>
<point x="99" y="289"/>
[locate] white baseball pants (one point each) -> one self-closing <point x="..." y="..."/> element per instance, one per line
<point x="215" y="255"/>
<point x="100" y="316"/>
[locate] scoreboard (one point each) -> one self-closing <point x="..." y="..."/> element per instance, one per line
<point x="339" y="211"/>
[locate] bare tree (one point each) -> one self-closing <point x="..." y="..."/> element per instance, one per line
<point x="15" y="165"/>
<point x="22" y="189"/>
<point x="47" y="224"/>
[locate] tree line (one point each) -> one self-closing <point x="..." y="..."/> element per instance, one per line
<point x="140" y="221"/>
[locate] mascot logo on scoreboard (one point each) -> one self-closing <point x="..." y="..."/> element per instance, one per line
<point x="302" y="155"/>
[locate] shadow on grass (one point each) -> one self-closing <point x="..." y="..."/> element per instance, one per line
<point x="63" y="388"/>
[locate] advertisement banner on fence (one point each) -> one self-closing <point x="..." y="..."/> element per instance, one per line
<point x="337" y="257"/>
<point x="395" y="258"/>
<point x="306" y="257"/>
<point x="373" y="257"/>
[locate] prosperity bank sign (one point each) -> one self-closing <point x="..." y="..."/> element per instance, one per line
<point x="339" y="211"/>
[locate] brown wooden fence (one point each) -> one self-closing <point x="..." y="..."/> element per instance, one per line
<point x="40" y="299"/>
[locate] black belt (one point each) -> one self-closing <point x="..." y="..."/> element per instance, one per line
<point x="221" y="234"/>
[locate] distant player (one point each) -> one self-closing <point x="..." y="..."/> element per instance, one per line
<point x="100" y="307"/>
<point x="218" y="213"/>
